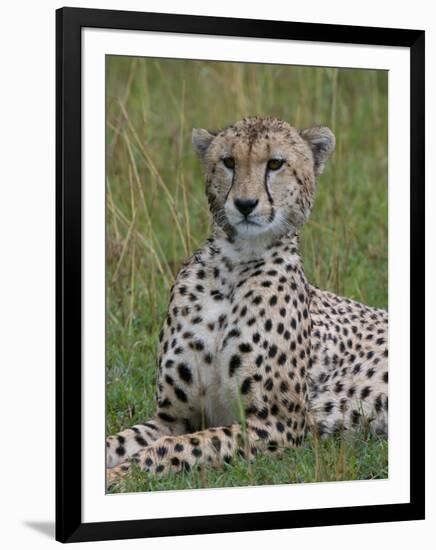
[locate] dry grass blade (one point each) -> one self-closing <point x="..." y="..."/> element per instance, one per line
<point x="155" y="171"/>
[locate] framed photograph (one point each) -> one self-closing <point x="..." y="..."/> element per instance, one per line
<point x="240" y="274"/>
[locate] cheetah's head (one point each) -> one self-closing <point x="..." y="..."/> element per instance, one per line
<point x="260" y="174"/>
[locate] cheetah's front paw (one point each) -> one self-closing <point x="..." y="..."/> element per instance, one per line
<point x="115" y="451"/>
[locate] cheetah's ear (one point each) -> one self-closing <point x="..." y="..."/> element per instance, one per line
<point x="201" y="139"/>
<point x="322" y="142"/>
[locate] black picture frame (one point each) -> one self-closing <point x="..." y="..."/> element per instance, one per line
<point x="69" y="22"/>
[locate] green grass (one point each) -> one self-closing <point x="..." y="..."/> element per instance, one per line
<point x="157" y="215"/>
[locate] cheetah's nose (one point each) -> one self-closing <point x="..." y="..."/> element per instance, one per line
<point x="245" y="206"/>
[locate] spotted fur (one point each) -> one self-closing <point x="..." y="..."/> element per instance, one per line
<point x="245" y="331"/>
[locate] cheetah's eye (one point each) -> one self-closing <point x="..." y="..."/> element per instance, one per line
<point x="229" y="162"/>
<point x="275" y="164"/>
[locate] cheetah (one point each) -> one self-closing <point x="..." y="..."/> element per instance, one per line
<point x="252" y="357"/>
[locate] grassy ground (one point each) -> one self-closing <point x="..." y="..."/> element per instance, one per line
<point x="157" y="215"/>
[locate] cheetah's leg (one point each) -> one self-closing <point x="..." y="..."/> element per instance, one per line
<point x="131" y="441"/>
<point x="213" y="447"/>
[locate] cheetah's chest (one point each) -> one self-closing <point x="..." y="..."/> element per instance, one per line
<point x="220" y="306"/>
<point x="215" y="388"/>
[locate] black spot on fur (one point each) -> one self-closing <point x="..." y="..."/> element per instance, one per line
<point x="184" y="373"/>
<point x="246" y="386"/>
<point x="180" y="394"/>
<point x="161" y="451"/>
<point x="166" y="417"/>
<point x="235" y="363"/>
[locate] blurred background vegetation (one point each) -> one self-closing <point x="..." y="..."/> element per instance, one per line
<point x="157" y="213"/>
